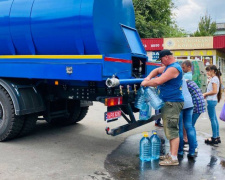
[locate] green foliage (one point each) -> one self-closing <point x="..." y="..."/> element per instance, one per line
<point x="206" y="27"/>
<point x="154" y="19"/>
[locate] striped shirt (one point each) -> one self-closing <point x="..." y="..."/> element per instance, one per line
<point x="197" y="97"/>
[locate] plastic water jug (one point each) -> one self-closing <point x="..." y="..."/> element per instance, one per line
<point x="145" y="111"/>
<point x="155" y="146"/>
<point x="145" y="148"/>
<point x="152" y="96"/>
<point x="139" y="99"/>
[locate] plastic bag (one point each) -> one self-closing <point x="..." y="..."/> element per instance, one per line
<point x="222" y="114"/>
<point x="139" y="99"/>
<point x="145" y="111"/>
<point x="152" y="96"/>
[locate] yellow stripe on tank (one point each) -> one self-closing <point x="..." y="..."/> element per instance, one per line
<point x="51" y="57"/>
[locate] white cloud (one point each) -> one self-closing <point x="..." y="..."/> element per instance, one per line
<point x="188" y="12"/>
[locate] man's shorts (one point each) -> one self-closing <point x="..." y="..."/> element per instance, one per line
<point x="170" y="115"/>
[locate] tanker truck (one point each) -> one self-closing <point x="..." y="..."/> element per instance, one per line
<point x="57" y="57"/>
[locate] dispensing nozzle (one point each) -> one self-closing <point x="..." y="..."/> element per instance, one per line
<point x="128" y="89"/>
<point x="121" y="90"/>
<point x="135" y="89"/>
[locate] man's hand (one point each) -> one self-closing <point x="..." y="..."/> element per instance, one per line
<point x="169" y="74"/>
<point x="145" y="82"/>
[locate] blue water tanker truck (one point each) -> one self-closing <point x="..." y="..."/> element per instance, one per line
<point x="57" y="57"/>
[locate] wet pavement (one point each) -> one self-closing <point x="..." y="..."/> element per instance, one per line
<point x="123" y="162"/>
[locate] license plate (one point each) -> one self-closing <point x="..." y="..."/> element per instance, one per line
<point x="112" y="115"/>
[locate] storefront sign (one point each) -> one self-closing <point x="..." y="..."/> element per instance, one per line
<point x="153" y="56"/>
<point x="194" y="53"/>
<point x="188" y="43"/>
<point x="153" y="44"/>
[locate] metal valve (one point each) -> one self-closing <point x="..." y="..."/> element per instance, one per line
<point x="135" y="89"/>
<point x="128" y="89"/>
<point x="121" y="90"/>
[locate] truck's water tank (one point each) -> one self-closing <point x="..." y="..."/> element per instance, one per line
<point x="65" y="27"/>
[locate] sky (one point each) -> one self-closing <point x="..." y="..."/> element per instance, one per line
<point x="188" y="12"/>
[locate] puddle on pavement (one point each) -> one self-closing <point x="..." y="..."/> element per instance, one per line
<point x="123" y="163"/>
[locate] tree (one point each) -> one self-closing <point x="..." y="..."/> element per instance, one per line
<point x="205" y="27"/>
<point x="154" y="19"/>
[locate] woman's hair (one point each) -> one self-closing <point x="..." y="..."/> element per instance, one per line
<point x="218" y="74"/>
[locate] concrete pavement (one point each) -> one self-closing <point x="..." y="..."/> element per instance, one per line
<point x="83" y="151"/>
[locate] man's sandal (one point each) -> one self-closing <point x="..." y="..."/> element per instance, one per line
<point x="164" y="157"/>
<point x="169" y="162"/>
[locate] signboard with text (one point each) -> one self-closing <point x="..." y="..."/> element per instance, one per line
<point x="188" y="43"/>
<point x="194" y="53"/>
<point x="153" y="56"/>
<point x="153" y="44"/>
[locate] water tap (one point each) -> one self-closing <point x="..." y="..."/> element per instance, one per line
<point x="128" y="89"/>
<point x="121" y="90"/>
<point x="135" y="89"/>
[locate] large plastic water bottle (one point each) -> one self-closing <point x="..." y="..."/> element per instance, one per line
<point x="152" y="96"/>
<point x="139" y="99"/>
<point x="145" y="111"/>
<point x="145" y="146"/>
<point x="155" y="146"/>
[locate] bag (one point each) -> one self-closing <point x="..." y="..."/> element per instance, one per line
<point x="222" y="114"/>
<point x="152" y="96"/>
<point x="145" y="111"/>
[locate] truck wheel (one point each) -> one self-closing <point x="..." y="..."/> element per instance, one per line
<point x="10" y="124"/>
<point x="74" y="111"/>
<point x="29" y="124"/>
<point x="83" y="113"/>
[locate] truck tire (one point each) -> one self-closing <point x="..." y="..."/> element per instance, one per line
<point x="74" y="112"/>
<point x="83" y="113"/>
<point x="10" y="124"/>
<point x="29" y="124"/>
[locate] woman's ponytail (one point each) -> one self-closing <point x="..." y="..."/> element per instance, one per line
<point x="218" y="74"/>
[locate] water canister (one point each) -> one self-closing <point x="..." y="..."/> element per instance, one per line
<point x="145" y="111"/>
<point x="155" y="146"/>
<point x="139" y="99"/>
<point x="145" y="148"/>
<point x="152" y="96"/>
<point x="64" y="27"/>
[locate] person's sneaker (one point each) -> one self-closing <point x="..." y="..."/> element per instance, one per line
<point x="219" y="140"/>
<point x="186" y="149"/>
<point x="185" y="142"/>
<point x="191" y="156"/>
<point x="164" y="157"/>
<point x="169" y="162"/>
<point x="158" y="124"/>
<point x="211" y="141"/>
<point x="180" y="155"/>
